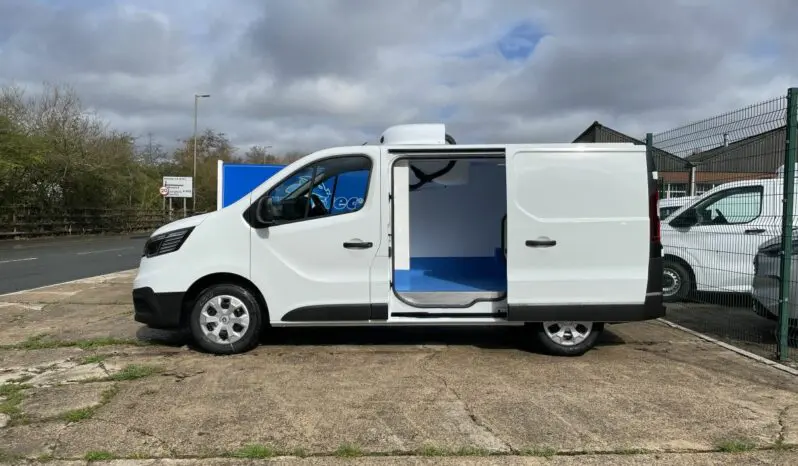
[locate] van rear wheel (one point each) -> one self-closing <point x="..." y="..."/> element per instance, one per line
<point x="226" y="319"/>
<point x="568" y="338"/>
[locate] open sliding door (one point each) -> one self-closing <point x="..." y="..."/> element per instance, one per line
<point x="577" y="229"/>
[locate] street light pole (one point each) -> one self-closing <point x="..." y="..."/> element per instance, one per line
<point x="266" y="153"/>
<point x="194" y="177"/>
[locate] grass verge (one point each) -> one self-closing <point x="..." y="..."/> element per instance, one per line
<point x="12" y="395"/>
<point x="42" y="342"/>
<point x="95" y="359"/>
<point x="348" y="450"/>
<point x="735" y="446"/>
<point x="254" y="451"/>
<point x="134" y="371"/>
<point x="99" y="456"/>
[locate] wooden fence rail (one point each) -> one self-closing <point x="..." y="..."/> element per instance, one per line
<point x="29" y="222"/>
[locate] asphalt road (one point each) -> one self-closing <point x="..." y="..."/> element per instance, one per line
<point x="34" y="263"/>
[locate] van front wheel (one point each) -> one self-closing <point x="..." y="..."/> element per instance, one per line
<point x="226" y="319"/>
<point x="676" y="283"/>
<point x="568" y="338"/>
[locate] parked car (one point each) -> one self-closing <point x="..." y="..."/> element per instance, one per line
<point x="767" y="276"/>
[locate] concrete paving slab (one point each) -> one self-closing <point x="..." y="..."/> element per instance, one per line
<point x="31" y="440"/>
<point x="681" y="459"/>
<point x="69" y="322"/>
<point x="17" y="361"/>
<point x="646" y="386"/>
<point x="455" y="398"/>
<point x="55" y="401"/>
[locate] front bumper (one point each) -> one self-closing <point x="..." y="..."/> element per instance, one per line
<point x="157" y="310"/>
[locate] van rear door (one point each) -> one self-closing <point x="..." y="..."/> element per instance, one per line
<point x="578" y="232"/>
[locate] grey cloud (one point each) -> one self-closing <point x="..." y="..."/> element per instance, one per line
<point x="341" y="38"/>
<point x="305" y="74"/>
<point x="44" y="42"/>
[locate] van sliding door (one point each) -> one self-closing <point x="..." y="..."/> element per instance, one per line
<point x="577" y="226"/>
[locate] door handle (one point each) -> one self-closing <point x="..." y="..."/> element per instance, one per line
<point x="358" y="244"/>
<point x="754" y="231"/>
<point x="540" y="243"/>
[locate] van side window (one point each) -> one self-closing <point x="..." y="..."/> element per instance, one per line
<point x="731" y="206"/>
<point x="332" y="186"/>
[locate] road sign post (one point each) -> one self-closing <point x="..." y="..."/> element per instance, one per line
<point x="177" y="186"/>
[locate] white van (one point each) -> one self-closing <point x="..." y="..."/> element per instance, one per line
<point x="671" y="205"/>
<point x="710" y="243"/>
<point x="560" y="237"/>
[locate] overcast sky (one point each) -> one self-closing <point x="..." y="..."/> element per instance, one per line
<point x="304" y="74"/>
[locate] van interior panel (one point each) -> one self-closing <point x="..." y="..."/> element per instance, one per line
<point x="456" y="229"/>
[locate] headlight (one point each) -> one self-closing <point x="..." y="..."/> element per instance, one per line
<point x="166" y="242"/>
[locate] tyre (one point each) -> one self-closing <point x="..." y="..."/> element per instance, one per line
<point x="676" y="282"/>
<point x="226" y="319"/>
<point x="568" y="338"/>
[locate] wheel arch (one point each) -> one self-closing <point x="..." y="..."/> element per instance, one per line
<point x="674" y="258"/>
<point x="217" y="278"/>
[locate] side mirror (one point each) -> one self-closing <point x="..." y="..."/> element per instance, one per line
<point x="263" y="213"/>
<point x="687" y="219"/>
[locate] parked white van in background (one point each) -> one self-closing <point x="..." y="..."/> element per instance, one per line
<point x="671" y="205"/>
<point x="710" y="244"/>
<point x="445" y="234"/>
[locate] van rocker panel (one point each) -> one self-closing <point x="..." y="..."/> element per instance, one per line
<point x="651" y="308"/>
<point x="338" y="312"/>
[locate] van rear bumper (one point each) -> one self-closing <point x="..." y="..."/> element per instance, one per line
<point x="652" y="306"/>
<point x="157" y="310"/>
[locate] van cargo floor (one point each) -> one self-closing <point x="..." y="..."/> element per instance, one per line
<point x="453" y="281"/>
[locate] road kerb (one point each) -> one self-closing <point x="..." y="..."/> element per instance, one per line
<point x="733" y="348"/>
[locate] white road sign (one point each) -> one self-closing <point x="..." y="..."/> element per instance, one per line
<point x="164" y="190"/>
<point x="178" y="186"/>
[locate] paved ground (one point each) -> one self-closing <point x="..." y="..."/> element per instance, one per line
<point x="79" y="380"/>
<point x="731" y="319"/>
<point x="32" y="263"/>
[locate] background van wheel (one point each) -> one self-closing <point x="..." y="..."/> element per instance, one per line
<point x="226" y="319"/>
<point x="676" y="283"/>
<point x="568" y="338"/>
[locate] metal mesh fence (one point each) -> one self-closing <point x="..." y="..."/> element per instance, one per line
<point x="722" y="211"/>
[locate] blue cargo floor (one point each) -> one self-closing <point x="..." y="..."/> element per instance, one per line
<point x="453" y="274"/>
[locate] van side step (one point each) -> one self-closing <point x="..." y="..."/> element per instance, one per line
<point x="430" y="315"/>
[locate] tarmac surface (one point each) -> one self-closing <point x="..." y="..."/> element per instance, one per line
<point x="81" y="381"/>
<point x="27" y="264"/>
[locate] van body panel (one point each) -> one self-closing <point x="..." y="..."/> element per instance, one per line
<point x="305" y="268"/>
<point x="217" y="244"/>
<point x="589" y="247"/>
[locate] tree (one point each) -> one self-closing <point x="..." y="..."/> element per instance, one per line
<point x="259" y="154"/>
<point x="292" y="156"/>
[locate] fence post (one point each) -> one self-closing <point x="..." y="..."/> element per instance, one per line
<point x="786" y="224"/>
